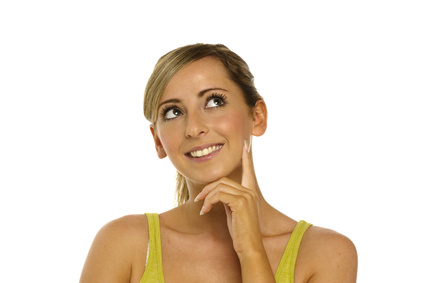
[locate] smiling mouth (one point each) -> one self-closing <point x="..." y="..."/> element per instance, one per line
<point x="205" y="151"/>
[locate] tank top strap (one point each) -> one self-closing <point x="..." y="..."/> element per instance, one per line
<point x="286" y="269"/>
<point x="153" y="270"/>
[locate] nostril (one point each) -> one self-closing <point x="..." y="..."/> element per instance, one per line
<point x="196" y="131"/>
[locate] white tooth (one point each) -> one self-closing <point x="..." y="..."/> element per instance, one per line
<point x="205" y="151"/>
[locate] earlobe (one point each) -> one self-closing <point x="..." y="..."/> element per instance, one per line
<point x="158" y="145"/>
<point x="260" y="118"/>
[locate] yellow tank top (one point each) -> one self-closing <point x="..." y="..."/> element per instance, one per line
<point x="154" y="273"/>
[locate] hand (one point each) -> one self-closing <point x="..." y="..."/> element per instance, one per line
<point x="241" y="204"/>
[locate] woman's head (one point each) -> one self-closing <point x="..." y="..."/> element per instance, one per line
<point x="169" y="64"/>
<point x="163" y="82"/>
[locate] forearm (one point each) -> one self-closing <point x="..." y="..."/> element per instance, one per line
<point x="256" y="268"/>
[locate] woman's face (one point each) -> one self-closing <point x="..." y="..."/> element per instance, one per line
<point x="202" y="123"/>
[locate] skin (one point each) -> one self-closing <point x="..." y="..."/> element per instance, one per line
<point x="238" y="234"/>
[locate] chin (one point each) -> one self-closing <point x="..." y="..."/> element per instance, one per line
<point x="215" y="175"/>
<point x="204" y="181"/>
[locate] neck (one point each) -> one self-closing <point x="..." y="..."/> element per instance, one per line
<point x="215" y="221"/>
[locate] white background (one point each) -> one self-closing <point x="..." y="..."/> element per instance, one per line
<point x="344" y="83"/>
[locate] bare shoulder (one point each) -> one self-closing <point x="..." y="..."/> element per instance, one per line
<point x="117" y="251"/>
<point x="126" y="226"/>
<point x="330" y="256"/>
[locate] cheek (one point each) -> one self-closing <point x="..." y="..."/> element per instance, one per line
<point x="234" y="124"/>
<point x="169" y="139"/>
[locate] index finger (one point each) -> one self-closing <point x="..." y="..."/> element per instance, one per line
<point x="248" y="177"/>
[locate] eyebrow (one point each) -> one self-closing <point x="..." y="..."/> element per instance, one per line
<point x="200" y="95"/>
<point x="203" y="92"/>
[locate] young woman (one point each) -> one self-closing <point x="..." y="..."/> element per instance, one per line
<point x="204" y="108"/>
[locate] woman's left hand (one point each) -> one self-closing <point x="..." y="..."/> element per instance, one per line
<point x="241" y="204"/>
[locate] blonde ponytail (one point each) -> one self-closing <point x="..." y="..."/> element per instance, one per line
<point x="182" y="192"/>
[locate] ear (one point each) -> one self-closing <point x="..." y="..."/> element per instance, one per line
<point x="260" y="118"/>
<point x="158" y="145"/>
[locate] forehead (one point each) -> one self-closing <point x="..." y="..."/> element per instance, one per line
<point x="202" y="74"/>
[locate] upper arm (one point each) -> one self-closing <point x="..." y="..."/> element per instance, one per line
<point x="115" y="251"/>
<point x="334" y="258"/>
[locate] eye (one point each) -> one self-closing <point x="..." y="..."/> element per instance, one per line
<point x="216" y="100"/>
<point x="170" y="112"/>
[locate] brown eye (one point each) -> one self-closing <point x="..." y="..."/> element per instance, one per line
<point x="215" y="101"/>
<point x="171" y="113"/>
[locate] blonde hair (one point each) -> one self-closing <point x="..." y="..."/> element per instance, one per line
<point x="169" y="64"/>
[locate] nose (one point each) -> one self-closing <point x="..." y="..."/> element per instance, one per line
<point x="196" y="126"/>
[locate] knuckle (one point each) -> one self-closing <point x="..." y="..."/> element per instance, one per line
<point x="255" y="196"/>
<point x="219" y="194"/>
<point x="241" y="201"/>
<point x="251" y="195"/>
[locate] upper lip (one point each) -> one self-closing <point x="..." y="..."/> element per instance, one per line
<point x="201" y="147"/>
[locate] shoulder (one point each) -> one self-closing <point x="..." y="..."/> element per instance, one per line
<point x="130" y="226"/>
<point x="116" y="250"/>
<point x="123" y="234"/>
<point x="330" y="256"/>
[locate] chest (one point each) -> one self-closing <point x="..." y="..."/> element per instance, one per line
<point x="204" y="259"/>
<point x="194" y="258"/>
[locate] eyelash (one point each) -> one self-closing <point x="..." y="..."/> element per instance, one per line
<point x="220" y="96"/>
<point x="165" y="110"/>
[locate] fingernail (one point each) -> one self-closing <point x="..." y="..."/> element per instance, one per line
<point x="196" y="199"/>
<point x="202" y="211"/>
<point x="245" y="144"/>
